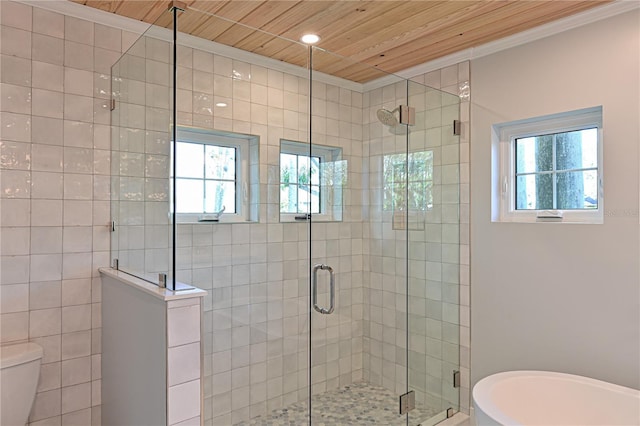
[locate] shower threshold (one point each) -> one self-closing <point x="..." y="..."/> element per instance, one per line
<point x="358" y="404"/>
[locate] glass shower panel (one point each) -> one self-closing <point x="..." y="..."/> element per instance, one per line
<point x="433" y="254"/>
<point x="140" y="135"/>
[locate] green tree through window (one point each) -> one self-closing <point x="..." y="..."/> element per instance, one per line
<point x="408" y="181"/>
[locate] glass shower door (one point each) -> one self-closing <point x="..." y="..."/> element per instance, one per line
<point x="358" y="260"/>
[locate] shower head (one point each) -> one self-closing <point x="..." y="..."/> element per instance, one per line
<point x="387" y="117"/>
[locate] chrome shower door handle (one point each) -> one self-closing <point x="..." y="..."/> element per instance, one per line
<point x="332" y="289"/>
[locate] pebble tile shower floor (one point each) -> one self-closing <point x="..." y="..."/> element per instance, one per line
<point x="358" y="404"/>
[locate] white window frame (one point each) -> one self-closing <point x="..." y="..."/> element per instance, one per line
<point x="232" y="140"/>
<point x="328" y="213"/>
<point x="504" y="136"/>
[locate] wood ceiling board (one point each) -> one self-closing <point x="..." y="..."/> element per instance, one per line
<point x="436" y="36"/>
<point x="236" y="10"/>
<point x="487" y="22"/>
<point x="234" y="33"/>
<point x="417" y="27"/>
<point x="211" y="28"/>
<point x="255" y="41"/>
<point x="107" y="6"/>
<point x="451" y="46"/>
<point x="325" y="62"/>
<point x="331" y="12"/>
<point x="388" y="23"/>
<point x="408" y="33"/>
<point x="296" y="16"/>
<point x="208" y="6"/>
<point x="139" y="10"/>
<point x="341" y="30"/>
<point x="191" y="19"/>
<point x="296" y="53"/>
<point x="264" y="41"/>
<point x="272" y="47"/>
<point x="338" y="67"/>
<point x="447" y="41"/>
<point x="267" y="12"/>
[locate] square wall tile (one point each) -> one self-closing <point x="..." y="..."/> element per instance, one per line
<point x="183" y="325"/>
<point x="48" y="23"/>
<point x="15" y="127"/>
<point x="14" y="326"/>
<point x="183" y="363"/>
<point x="15" y="70"/>
<point x="47" y="49"/>
<point x="183" y="402"/>
<point x="14" y="298"/>
<point x="48" y="76"/>
<point x="44" y="322"/>
<point x="17" y="15"/>
<point x="76" y="397"/>
<point x="15" y="42"/>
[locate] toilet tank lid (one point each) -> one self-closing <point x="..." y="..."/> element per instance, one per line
<point x="19" y="354"/>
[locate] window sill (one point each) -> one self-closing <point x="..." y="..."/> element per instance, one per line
<point x="193" y="219"/>
<point x="593" y="218"/>
<point x="316" y="218"/>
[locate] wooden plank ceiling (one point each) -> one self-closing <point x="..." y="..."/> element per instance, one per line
<point x="386" y="35"/>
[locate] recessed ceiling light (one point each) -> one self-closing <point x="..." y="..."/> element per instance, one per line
<point x="221" y="104"/>
<point x="310" y="38"/>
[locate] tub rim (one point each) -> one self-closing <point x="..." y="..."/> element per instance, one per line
<point x="481" y="393"/>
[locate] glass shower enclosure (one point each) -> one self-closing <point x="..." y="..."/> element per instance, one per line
<point x="315" y="198"/>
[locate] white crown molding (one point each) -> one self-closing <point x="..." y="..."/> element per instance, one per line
<point x="98" y="16"/>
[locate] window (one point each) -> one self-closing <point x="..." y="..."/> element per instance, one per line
<point x="412" y="191"/>
<point x="214" y="172"/>
<point x="311" y="182"/>
<point x="550" y="168"/>
<point x="212" y="185"/>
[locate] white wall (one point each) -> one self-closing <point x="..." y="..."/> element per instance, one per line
<point x="552" y="296"/>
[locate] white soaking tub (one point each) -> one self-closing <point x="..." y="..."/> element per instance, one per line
<point x="546" y="398"/>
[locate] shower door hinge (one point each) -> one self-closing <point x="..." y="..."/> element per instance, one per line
<point x="114" y="264"/>
<point x="456" y="379"/>
<point x="457" y="127"/>
<point x="112" y="226"/>
<point x="112" y="104"/>
<point x="407" y="115"/>
<point x="407" y="402"/>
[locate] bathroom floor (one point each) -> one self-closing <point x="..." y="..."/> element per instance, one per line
<point x="358" y="404"/>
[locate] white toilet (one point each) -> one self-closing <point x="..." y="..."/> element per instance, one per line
<point x="19" y="373"/>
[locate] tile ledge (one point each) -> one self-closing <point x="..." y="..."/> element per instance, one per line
<point x="152" y="289"/>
